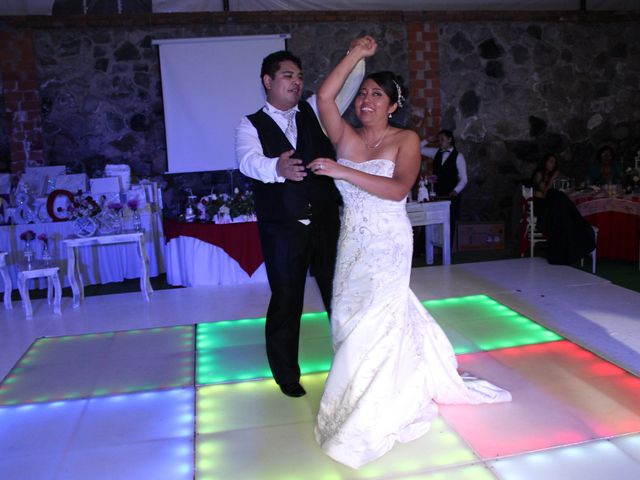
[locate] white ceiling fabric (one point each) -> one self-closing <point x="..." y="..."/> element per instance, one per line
<point x="44" y="7"/>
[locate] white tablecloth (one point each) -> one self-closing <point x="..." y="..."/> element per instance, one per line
<point x="104" y="264"/>
<point x="192" y="262"/>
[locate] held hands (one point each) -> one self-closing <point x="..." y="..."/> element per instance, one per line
<point x="366" y="45"/>
<point x="325" y="166"/>
<point x="290" y="168"/>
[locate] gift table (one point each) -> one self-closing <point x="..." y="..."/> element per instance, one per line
<point x="618" y="220"/>
<point x="73" y="260"/>
<point x="110" y="263"/>
<point x="213" y="254"/>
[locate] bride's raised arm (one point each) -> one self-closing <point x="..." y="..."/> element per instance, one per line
<point x="326" y="95"/>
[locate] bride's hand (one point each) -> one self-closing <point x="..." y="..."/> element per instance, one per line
<point x="367" y="44"/>
<point x="325" y="166"/>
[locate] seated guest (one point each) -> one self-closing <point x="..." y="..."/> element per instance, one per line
<point x="569" y="236"/>
<point x="542" y="181"/>
<point x="606" y="171"/>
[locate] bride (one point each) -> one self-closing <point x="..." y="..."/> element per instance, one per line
<point x="392" y="361"/>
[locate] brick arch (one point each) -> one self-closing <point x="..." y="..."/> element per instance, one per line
<point x="424" y="75"/>
<point x="21" y="99"/>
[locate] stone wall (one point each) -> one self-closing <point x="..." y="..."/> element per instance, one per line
<point x="102" y="96"/>
<point x="514" y="91"/>
<point x="511" y="89"/>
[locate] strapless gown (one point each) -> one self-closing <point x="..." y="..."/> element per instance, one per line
<point x="392" y="361"/>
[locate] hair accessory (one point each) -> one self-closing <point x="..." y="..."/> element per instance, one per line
<point x="400" y="97"/>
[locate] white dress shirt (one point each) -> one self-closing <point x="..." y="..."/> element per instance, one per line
<point x="461" y="164"/>
<point x="251" y="159"/>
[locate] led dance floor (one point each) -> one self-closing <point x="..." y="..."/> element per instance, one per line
<point x="197" y="401"/>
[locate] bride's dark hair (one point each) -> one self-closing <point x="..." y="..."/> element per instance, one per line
<point x="393" y="85"/>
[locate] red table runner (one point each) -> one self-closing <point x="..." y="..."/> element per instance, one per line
<point x="240" y="241"/>
<point x="618" y="222"/>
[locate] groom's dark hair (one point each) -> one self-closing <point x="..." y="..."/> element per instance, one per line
<point x="271" y="63"/>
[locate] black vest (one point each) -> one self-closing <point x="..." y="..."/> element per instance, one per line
<point x="447" y="174"/>
<point x="315" y="195"/>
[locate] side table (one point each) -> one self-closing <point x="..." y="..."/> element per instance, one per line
<point x="54" y="289"/>
<point x="6" y="279"/>
<point x="73" y="267"/>
<point x="434" y="216"/>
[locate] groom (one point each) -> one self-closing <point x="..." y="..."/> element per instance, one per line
<point x="297" y="211"/>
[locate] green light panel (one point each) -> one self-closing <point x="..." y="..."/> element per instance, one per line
<point x="252" y="420"/>
<point x="232" y="351"/>
<point x="116" y="362"/>
<point x="479" y="323"/>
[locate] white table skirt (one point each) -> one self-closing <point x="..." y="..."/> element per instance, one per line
<point x="104" y="264"/>
<point x="192" y="262"/>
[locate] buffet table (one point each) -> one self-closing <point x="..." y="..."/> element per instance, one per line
<point x="200" y="254"/>
<point x="110" y="263"/>
<point x="618" y="221"/>
<point x="213" y="254"/>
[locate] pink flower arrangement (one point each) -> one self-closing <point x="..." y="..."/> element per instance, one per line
<point x="133" y="204"/>
<point x="28" y="235"/>
<point x="115" y="206"/>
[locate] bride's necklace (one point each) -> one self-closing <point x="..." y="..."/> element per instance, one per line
<point x="376" y="144"/>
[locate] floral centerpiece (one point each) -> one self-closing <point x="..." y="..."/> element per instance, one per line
<point x="82" y="210"/>
<point x="226" y="208"/>
<point x="136" y="221"/>
<point x="81" y="206"/>
<point x="241" y="204"/>
<point x="631" y="176"/>
<point x="27" y="237"/>
<point x="46" y="255"/>
<point x="115" y="207"/>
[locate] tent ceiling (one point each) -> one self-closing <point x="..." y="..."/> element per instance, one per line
<point x="46" y="7"/>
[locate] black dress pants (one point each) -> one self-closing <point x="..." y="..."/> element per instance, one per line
<point x="290" y="249"/>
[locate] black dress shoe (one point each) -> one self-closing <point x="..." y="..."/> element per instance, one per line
<point x="293" y="390"/>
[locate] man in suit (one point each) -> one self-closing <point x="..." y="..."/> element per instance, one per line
<point x="297" y="211"/>
<point x="450" y="168"/>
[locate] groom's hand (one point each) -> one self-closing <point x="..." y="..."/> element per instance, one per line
<point x="290" y="168"/>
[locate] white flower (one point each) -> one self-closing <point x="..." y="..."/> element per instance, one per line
<point x="213" y="196"/>
<point x="236" y="190"/>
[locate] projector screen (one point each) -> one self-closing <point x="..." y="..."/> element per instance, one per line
<point x="208" y="85"/>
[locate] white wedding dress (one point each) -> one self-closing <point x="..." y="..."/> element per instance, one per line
<point x="392" y="361"/>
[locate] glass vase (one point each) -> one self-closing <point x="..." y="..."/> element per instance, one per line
<point x="28" y="252"/>
<point x="46" y="255"/>
<point x="136" y="221"/>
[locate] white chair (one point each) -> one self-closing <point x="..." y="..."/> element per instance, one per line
<point x="532" y="235"/>
<point x="7" y="280"/>
<point x="593" y="253"/>
<point x="54" y="289"/>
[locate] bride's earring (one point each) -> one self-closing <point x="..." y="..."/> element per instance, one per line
<point x="389" y="115"/>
